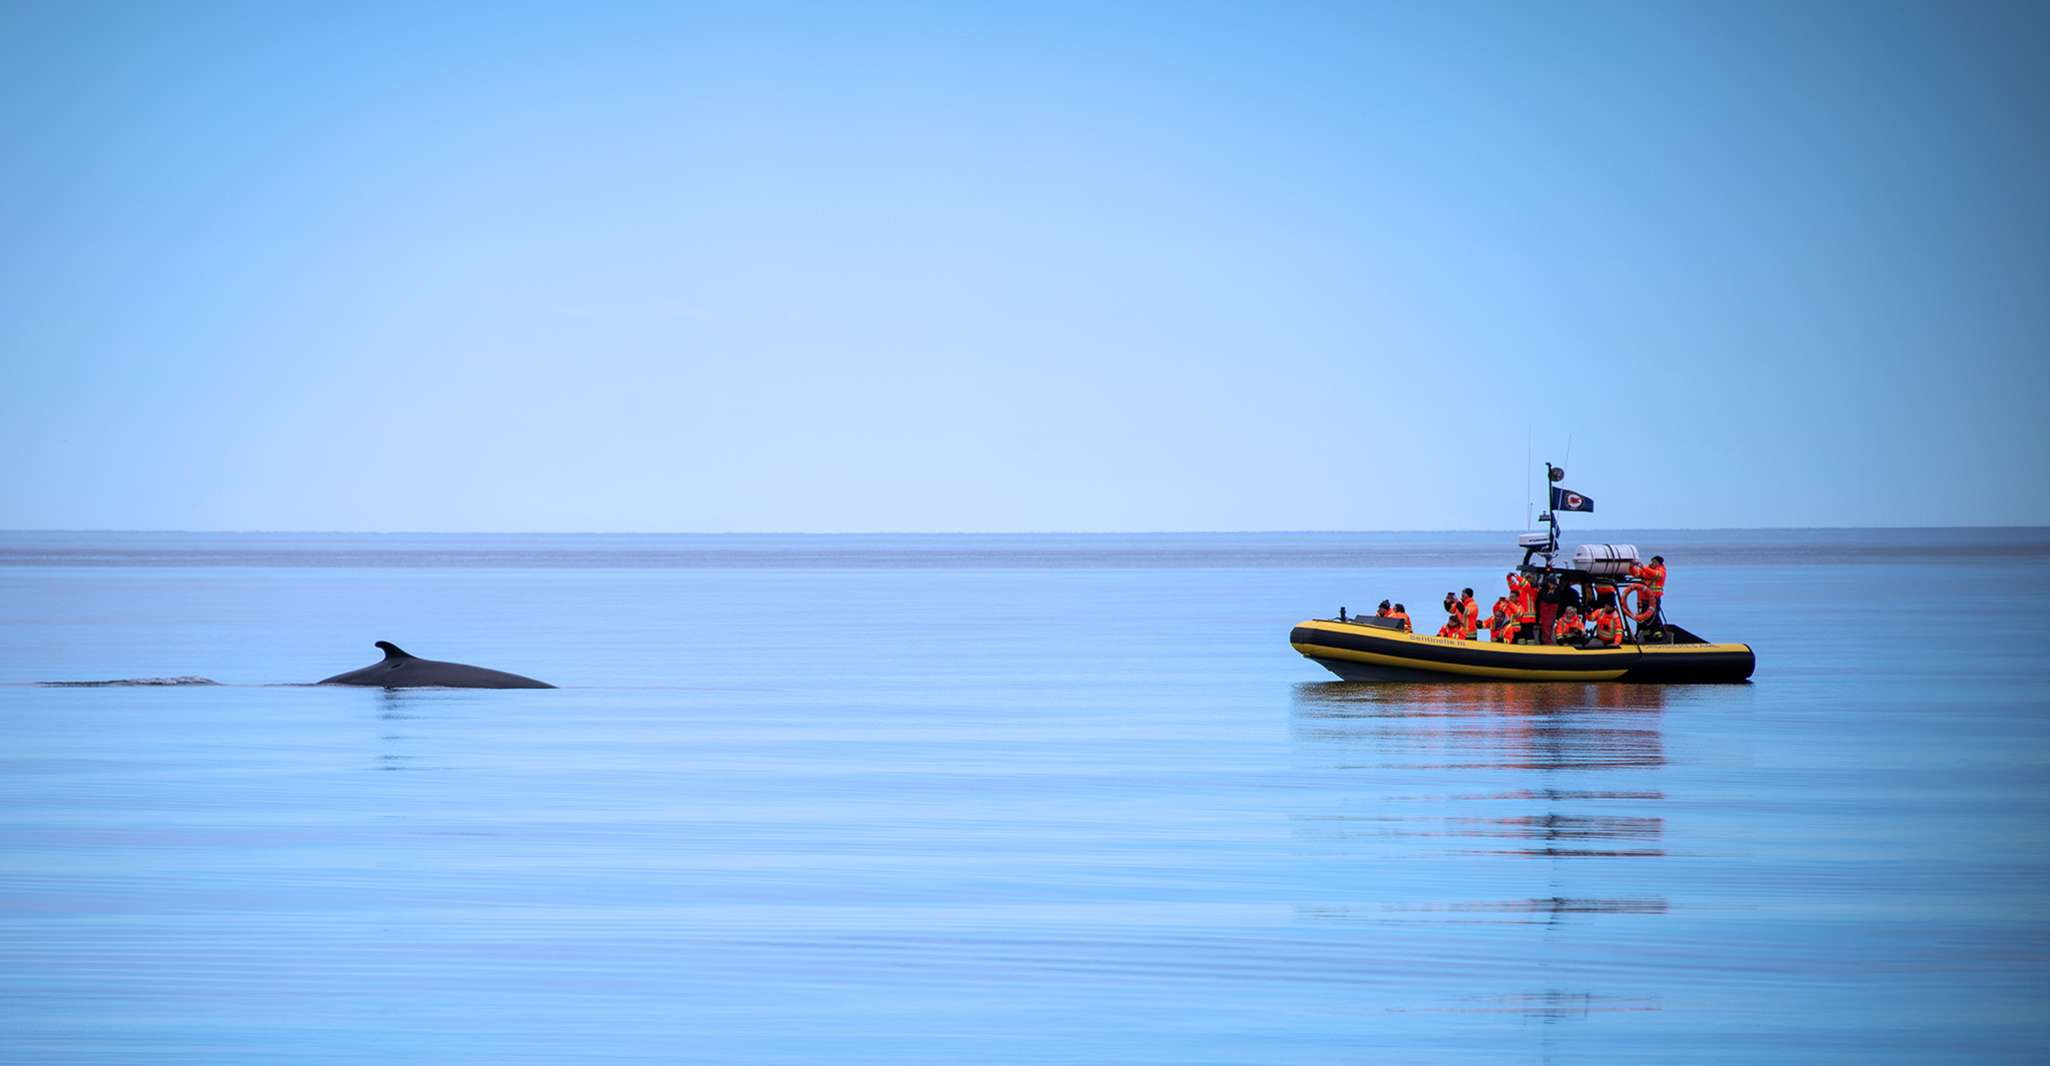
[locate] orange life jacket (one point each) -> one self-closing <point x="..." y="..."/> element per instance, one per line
<point x="1567" y="626"/>
<point x="1472" y="610"/>
<point x="1523" y="595"/>
<point x="1607" y="627"/>
<point x="1653" y="576"/>
<point x="1403" y="617"/>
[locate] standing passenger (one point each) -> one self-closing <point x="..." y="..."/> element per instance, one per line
<point x="1523" y="596"/>
<point x="1472" y="610"/>
<point x="1653" y="578"/>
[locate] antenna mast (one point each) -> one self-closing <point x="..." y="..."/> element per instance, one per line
<point x="1553" y="475"/>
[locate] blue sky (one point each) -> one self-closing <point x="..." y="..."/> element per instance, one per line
<point x="1021" y="267"/>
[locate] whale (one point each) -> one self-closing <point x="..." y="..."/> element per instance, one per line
<point x="402" y="669"/>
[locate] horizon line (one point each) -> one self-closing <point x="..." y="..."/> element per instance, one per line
<point x="994" y="533"/>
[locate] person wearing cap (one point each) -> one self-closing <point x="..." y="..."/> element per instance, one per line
<point x="1608" y="625"/>
<point x="1653" y="578"/>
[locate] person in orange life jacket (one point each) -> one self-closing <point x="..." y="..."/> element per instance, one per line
<point x="1653" y="577"/>
<point x="1502" y="623"/>
<point x="1472" y="608"/>
<point x="1567" y="629"/>
<point x="1602" y="595"/>
<point x="1608" y="626"/>
<point x="1522" y="606"/>
<point x="1401" y="614"/>
<point x="1523" y="596"/>
<point x="1455" y="619"/>
<point x="1606" y="621"/>
<point x="1382" y="611"/>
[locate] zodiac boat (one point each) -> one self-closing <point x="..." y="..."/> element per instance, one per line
<point x="1372" y="649"/>
<point x="1653" y="650"/>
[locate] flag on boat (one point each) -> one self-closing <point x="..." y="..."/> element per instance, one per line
<point x="1569" y="500"/>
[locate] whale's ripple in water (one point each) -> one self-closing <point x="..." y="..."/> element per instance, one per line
<point x="186" y="680"/>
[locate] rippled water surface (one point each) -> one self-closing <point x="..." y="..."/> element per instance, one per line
<point x="941" y="799"/>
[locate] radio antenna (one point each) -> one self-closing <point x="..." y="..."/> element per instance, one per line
<point x="1526" y="475"/>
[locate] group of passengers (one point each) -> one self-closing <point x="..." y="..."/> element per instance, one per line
<point x="1515" y="617"/>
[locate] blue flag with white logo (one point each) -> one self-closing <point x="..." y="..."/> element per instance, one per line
<point x="1569" y="500"/>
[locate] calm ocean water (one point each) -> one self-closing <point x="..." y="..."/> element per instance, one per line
<point x="1009" y="799"/>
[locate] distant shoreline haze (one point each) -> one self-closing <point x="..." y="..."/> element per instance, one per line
<point x="1477" y="553"/>
<point x="1567" y="533"/>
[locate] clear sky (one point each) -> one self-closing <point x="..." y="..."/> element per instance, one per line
<point x="955" y="266"/>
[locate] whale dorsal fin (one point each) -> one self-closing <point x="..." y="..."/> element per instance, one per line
<point x="392" y="651"/>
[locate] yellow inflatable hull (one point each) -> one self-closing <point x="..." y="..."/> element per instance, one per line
<point x="1357" y="651"/>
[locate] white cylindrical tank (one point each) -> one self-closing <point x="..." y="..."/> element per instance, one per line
<point x="1605" y="560"/>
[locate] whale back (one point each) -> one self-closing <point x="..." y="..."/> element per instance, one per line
<point x="400" y="669"/>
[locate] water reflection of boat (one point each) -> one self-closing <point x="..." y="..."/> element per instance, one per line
<point x="1485" y="697"/>
<point x="1504" y="726"/>
<point x="1531" y="811"/>
<point x="1491" y="727"/>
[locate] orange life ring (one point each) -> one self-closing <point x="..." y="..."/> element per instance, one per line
<point x="1647" y="602"/>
